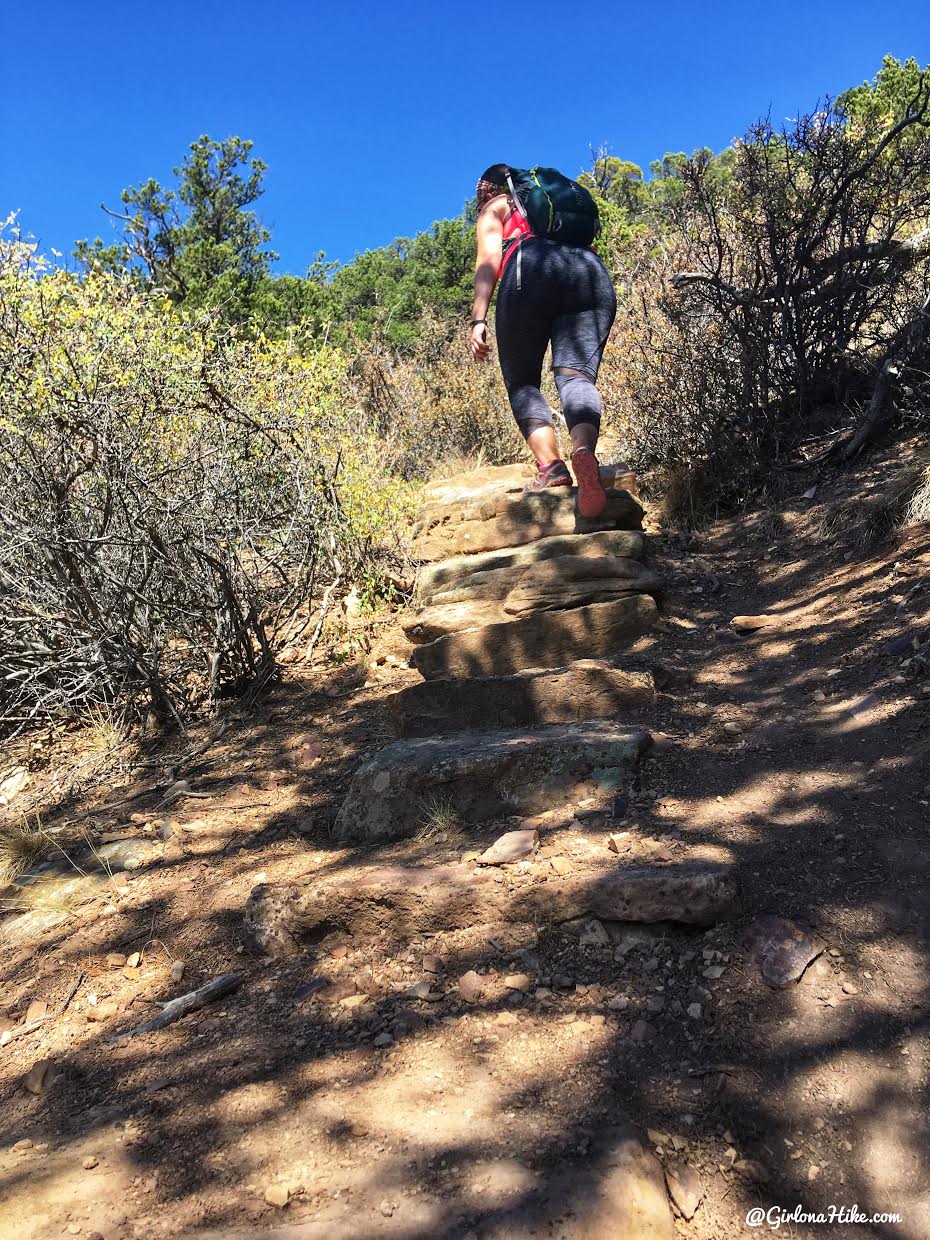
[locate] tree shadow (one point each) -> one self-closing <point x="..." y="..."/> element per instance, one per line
<point x="819" y="801"/>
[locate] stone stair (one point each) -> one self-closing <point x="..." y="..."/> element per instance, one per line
<point x="522" y="618"/>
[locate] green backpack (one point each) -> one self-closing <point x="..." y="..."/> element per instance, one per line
<point x="555" y="206"/>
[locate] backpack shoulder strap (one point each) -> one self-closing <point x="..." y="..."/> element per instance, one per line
<point x="515" y="196"/>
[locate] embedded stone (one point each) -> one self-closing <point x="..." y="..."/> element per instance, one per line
<point x="427" y="899"/>
<point x="484" y="481"/>
<point x="684" y="1188"/>
<point x="616" y="1193"/>
<point x="481" y="775"/>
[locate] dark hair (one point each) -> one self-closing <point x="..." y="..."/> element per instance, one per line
<point x="496" y="174"/>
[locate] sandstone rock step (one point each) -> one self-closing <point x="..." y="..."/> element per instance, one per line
<point x="558" y="571"/>
<point x="494" y="479"/>
<point x="466" y="571"/>
<point x="425" y="899"/>
<point x="486" y="480"/>
<point x="540" y="640"/>
<point x="480" y="775"/>
<point x="554" y="585"/>
<point x="510" y="520"/>
<point x="588" y="689"/>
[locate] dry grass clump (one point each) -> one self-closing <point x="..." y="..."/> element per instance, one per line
<point x="439" y="817"/>
<point x="918" y="507"/>
<point x="863" y="521"/>
<point x="104" y="732"/>
<point x="435" y="408"/>
<point x="22" y="844"/>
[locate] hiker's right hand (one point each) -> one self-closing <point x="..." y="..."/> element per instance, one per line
<point x="478" y="342"/>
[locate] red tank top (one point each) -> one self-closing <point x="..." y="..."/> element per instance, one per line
<point x="516" y="227"/>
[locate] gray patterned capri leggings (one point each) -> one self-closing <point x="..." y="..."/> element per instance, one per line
<point x="558" y="293"/>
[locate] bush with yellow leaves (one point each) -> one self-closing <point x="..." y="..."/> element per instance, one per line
<point x="174" y="500"/>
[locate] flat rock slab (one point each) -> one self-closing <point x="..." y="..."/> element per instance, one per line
<point x="541" y="639"/>
<point x="510" y="520"/>
<point x="516" y="504"/>
<point x="511" y="846"/>
<point x="281" y="918"/>
<point x="481" y="775"/>
<point x="588" y="689"/>
<point x="554" y="593"/>
<point x="478" y="483"/>
<point x="462" y="571"/>
<point x="781" y="949"/>
<point x="557" y="571"/>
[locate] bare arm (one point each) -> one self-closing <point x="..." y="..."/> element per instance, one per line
<point x="490" y="234"/>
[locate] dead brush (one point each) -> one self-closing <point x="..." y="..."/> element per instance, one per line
<point x="22" y="844"/>
<point x="458" y="463"/>
<point x="684" y="496"/>
<point x="865" y="520"/>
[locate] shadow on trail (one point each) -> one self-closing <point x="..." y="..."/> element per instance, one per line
<point x="819" y="801"/>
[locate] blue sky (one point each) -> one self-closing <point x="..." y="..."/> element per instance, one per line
<point x="375" y="118"/>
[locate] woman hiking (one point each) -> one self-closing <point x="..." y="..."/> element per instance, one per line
<point x="549" y="291"/>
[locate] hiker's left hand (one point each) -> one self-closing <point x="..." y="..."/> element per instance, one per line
<point x="478" y="342"/>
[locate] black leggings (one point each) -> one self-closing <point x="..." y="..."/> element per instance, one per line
<point x="560" y="293"/>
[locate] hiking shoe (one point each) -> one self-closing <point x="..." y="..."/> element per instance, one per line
<point x="555" y="474"/>
<point x="592" y="498"/>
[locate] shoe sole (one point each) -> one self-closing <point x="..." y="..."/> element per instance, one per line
<point x="592" y="498"/>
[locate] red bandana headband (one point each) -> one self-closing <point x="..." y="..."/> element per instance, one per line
<point x="486" y="191"/>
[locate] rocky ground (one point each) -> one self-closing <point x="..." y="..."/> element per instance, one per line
<point x="413" y="1074"/>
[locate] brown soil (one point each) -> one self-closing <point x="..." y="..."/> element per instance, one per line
<point x="800" y="752"/>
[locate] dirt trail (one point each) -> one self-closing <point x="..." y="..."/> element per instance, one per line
<point x="364" y="1084"/>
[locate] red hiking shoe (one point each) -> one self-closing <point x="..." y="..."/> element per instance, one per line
<point x="592" y="498"/>
<point x="555" y="474"/>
